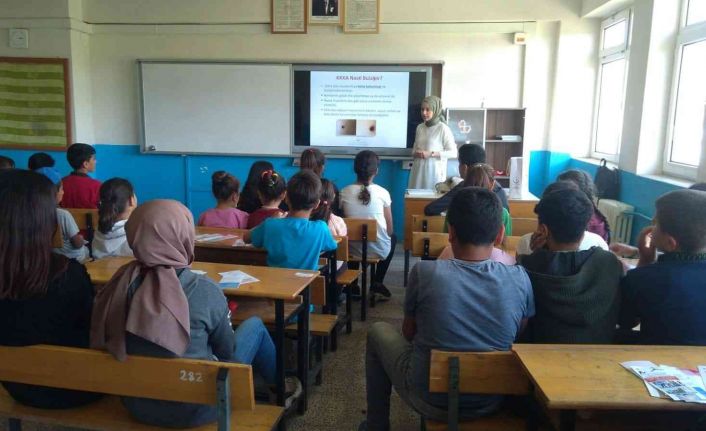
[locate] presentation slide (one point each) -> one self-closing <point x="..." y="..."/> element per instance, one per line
<point x="359" y="109"/>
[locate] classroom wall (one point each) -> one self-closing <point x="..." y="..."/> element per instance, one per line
<point x="638" y="191"/>
<point x="550" y="76"/>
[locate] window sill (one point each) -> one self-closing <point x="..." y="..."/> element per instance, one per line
<point x="674" y="181"/>
<point x="597" y="162"/>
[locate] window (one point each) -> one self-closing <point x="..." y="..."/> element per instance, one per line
<point x="610" y="91"/>
<point x="688" y="106"/>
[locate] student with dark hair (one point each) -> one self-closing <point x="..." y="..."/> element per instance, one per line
<point x="118" y="201"/>
<point x="271" y="190"/>
<point x="226" y="214"/>
<point x="45" y="298"/>
<point x="700" y="187"/>
<point x="314" y="160"/>
<point x="40" y="160"/>
<point x="324" y="211"/>
<point x="468" y="155"/>
<point x="667" y="295"/>
<point x="73" y="243"/>
<point x="249" y="201"/>
<point x="532" y="241"/>
<point x="470" y="303"/>
<point x="365" y="199"/>
<point x="295" y="241"/>
<point x="80" y="190"/>
<point x="598" y="223"/>
<point x="6" y="163"/>
<point x="576" y="292"/>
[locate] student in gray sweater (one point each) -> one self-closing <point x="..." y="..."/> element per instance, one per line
<point x="577" y="293"/>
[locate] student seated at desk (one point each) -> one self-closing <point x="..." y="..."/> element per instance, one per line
<point x="598" y="223"/>
<point x="295" y="241"/>
<point x="45" y="298"/>
<point x="469" y="303"/>
<point x="118" y="201"/>
<point x="73" y="244"/>
<point x="531" y="241"/>
<point x="315" y="160"/>
<point x="6" y="163"/>
<point x="667" y="295"/>
<point x="249" y="201"/>
<point x="365" y="199"/>
<point x="576" y="292"/>
<point x="155" y="306"/>
<point x="80" y="190"/>
<point x="468" y="155"/>
<point x="324" y="211"/>
<point x="226" y="214"/>
<point x="271" y="189"/>
<point x="40" y="160"/>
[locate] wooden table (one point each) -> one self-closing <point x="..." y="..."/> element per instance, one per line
<point x="584" y="377"/>
<point x="225" y="251"/>
<point x="278" y="284"/>
<point x="521" y="205"/>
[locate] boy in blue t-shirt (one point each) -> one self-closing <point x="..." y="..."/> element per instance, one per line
<point x="295" y="241"/>
<point x="666" y="295"/>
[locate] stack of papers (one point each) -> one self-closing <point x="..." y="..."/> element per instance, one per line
<point x="664" y="381"/>
<point x="213" y="237"/>
<point x="233" y="279"/>
<point x="420" y="192"/>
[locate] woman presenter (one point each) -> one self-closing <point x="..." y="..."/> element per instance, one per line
<point x="433" y="146"/>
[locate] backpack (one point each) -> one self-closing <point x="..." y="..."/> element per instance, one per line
<point x="607" y="181"/>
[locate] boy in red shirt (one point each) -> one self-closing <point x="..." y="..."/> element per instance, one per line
<point x="80" y="190"/>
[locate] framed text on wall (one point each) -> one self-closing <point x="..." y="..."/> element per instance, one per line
<point x="35" y="103"/>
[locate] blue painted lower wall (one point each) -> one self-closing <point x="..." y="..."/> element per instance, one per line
<point x="640" y="192"/>
<point x="188" y="178"/>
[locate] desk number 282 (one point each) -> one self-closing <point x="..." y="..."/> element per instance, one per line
<point x="190" y="376"/>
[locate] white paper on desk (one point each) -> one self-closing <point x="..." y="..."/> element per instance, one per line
<point x="213" y="237"/>
<point x="640" y="368"/>
<point x="702" y="372"/>
<point x="198" y="271"/>
<point x="420" y="192"/>
<point x="689" y="378"/>
<point x="237" y="276"/>
<point x="240" y="243"/>
<point x="305" y="274"/>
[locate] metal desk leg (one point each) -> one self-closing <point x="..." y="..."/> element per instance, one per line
<point x="364" y="292"/>
<point x="303" y="350"/>
<point x="14" y="424"/>
<point x="279" y="346"/>
<point x="406" y="266"/>
<point x="567" y="420"/>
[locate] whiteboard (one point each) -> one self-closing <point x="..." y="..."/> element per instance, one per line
<point x="215" y="108"/>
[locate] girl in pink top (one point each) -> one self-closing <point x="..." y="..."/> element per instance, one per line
<point x="225" y="190"/>
<point x="328" y="196"/>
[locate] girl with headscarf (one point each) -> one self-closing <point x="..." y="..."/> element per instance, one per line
<point x="433" y="146"/>
<point x="155" y="306"/>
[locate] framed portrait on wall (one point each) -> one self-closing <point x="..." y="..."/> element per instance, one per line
<point x="288" y="16"/>
<point x="327" y="12"/>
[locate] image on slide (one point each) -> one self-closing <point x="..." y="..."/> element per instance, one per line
<point x="345" y="128"/>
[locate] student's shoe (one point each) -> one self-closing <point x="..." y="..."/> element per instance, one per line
<point x="380" y="289"/>
<point x="292" y="392"/>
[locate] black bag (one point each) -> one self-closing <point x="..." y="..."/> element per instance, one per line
<point x="607" y="182"/>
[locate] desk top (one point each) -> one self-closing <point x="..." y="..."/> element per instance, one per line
<point x="512" y="195"/>
<point x="591" y="377"/>
<point x="275" y="283"/>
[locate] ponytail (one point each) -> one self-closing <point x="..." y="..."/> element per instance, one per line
<point x="365" y="167"/>
<point x="115" y="195"/>
<point x="328" y="196"/>
<point x="271" y="185"/>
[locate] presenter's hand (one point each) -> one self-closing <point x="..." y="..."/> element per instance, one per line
<point x="422" y="154"/>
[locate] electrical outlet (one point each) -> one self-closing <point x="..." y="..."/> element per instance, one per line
<point x="19" y="38"/>
<point x="407" y="164"/>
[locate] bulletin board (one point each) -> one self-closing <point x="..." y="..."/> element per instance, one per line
<point x="35" y="103"/>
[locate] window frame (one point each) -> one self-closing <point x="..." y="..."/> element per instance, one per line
<point x="606" y="56"/>
<point x="687" y="35"/>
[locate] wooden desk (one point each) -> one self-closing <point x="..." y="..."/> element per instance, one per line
<point x="278" y="284"/>
<point x="226" y="251"/>
<point x="572" y="377"/>
<point x="521" y="206"/>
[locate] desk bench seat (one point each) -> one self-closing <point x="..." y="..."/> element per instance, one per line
<point x="108" y="413"/>
<point x="500" y="421"/>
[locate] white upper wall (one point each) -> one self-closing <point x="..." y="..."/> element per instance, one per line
<point x="392" y="11"/>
